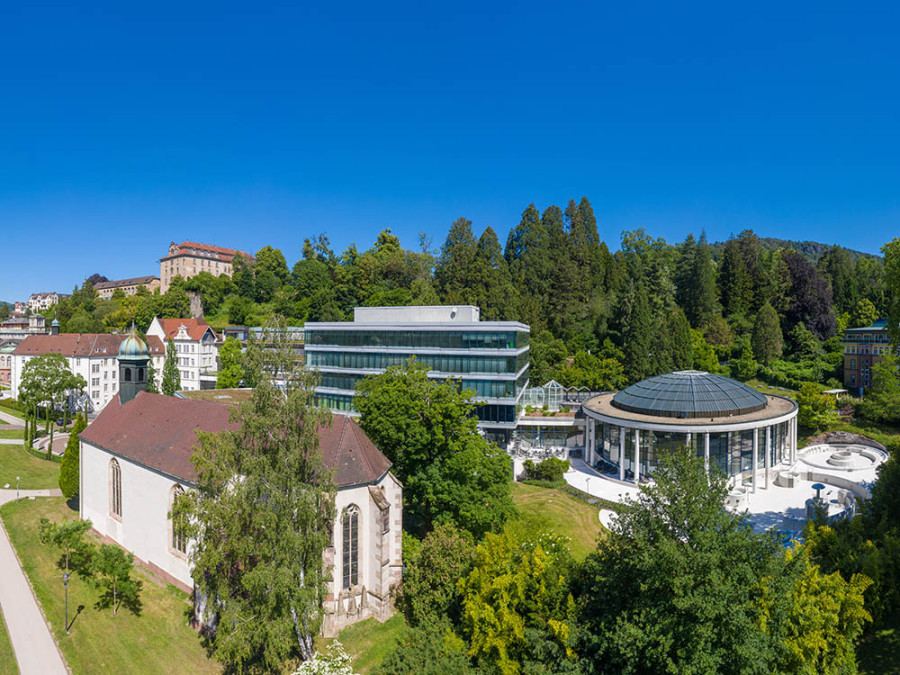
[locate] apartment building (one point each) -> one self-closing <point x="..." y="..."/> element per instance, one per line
<point x="91" y="355"/>
<point x="863" y="348"/>
<point x="105" y="289"/>
<point x="197" y="347"/>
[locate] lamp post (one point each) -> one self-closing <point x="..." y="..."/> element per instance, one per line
<point x="66" y="586"/>
<point x="17" y="488"/>
<point x="588" y="489"/>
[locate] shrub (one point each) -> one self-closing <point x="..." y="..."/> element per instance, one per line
<point x="550" y="470"/>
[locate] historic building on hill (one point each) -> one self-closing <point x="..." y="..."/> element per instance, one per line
<point x="189" y="258"/>
<point x="136" y="457"/>
<point x="105" y="289"/>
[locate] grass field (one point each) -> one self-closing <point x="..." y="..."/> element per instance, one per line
<point x="12" y="433"/>
<point x="159" y="640"/>
<point x="561" y="513"/>
<point x="34" y="473"/>
<point x="7" y="658"/>
<point x="368" y="642"/>
<point x="879" y="654"/>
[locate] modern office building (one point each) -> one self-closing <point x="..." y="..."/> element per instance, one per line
<point x="488" y="357"/>
<point x="863" y="348"/>
<point x="737" y="430"/>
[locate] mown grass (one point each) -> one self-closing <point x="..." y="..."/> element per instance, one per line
<point x="369" y="642"/>
<point x="561" y="513"/>
<point x="7" y="658"/>
<point x="34" y="473"/>
<point x="158" y="640"/>
<point x="12" y="433"/>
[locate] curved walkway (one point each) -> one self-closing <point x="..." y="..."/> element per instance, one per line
<point x="32" y="643"/>
<point x="11" y="420"/>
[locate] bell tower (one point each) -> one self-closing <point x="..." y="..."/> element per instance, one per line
<point x="133" y="359"/>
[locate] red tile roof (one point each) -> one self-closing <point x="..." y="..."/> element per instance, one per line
<point x="196" y="328"/>
<point x="160" y="432"/>
<point x="118" y="283"/>
<point x="194" y="248"/>
<point x="97" y="345"/>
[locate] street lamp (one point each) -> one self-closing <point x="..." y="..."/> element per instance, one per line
<point x="588" y="490"/>
<point x="17" y="488"/>
<point x="66" y="586"/>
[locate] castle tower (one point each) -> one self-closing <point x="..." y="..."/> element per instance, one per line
<point x="133" y="359"/>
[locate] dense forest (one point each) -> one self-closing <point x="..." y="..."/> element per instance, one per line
<point x="746" y="307"/>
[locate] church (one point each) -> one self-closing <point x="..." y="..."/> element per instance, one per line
<point x="136" y="458"/>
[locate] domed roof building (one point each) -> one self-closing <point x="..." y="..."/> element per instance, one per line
<point x="133" y="348"/>
<point x="737" y="430"/>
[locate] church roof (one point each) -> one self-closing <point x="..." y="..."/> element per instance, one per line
<point x="160" y="432"/>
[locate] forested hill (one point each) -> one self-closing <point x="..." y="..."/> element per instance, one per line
<point x="811" y="250"/>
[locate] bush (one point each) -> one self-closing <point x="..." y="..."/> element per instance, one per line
<point x="551" y="470"/>
<point x="68" y="472"/>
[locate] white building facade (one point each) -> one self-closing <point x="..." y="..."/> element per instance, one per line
<point x="91" y="355"/>
<point x="196" y="344"/>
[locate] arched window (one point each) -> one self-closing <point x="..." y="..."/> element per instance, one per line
<point x="128" y="374"/>
<point x="140" y="377"/>
<point x="350" y="528"/>
<point x="177" y="538"/>
<point x="115" y="488"/>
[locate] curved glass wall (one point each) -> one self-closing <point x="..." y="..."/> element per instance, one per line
<point x="730" y="453"/>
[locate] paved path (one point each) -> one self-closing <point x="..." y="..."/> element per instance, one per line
<point x="32" y="643"/>
<point x="12" y="441"/>
<point x="11" y="420"/>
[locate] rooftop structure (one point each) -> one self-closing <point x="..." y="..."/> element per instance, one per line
<point x="105" y="289"/>
<point x="489" y="357"/>
<point x="737" y="430"/>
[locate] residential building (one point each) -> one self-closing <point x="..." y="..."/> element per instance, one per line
<point x="197" y="347"/>
<point x="189" y="258"/>
<point x="863" y="348"/>
<point x="135" y="458"/>
<point x="39" y="302"/>
<point x="7" y="347"/>
<point x="91" y="355"/>
<point x="488" y="357"/>
<point x="17" y="328"/>
<point x="105" y="289"/>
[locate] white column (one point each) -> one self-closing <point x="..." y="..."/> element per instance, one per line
<point x="768" y="461"/>
<point x="622" y="453"/>
<point x="589" y="442"/>
<point x="755" y="456"/>
<point x="706" y="452"/>
<point x="637" y="456"/>
<point x="794" y="443"/>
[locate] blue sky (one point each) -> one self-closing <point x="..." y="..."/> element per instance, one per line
<point x="127" y="126"/>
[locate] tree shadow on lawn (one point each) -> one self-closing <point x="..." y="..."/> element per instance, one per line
<point x="73" y="504"/>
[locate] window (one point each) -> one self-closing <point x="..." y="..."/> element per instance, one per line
<point x="350" y="527"/>
<point x="128" y="374"/>
<point x="115" y="489"/>
<point x="177" y="540"/>
<point x="853" y="363"/>
<point x="386" y="520"/>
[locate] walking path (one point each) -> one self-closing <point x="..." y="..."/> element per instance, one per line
<point x="11" y="420"/>
<point x="35" y="650"/>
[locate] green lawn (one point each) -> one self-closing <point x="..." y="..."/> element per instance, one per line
<point x="7" y="658"/>
<point x="12" y="433"/>
<point x="369" y="642"/>
<point x="158" y="641"/>
<point x="34" y="473"/>
<point x="562" y="513"/>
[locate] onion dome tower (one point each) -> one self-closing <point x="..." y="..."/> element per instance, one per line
<point x="133" y="359"/>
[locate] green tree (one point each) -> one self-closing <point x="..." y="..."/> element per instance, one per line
<point x="428" y="430"/>
<point x="637" y="332"/>
<point x="677" y="333"/>
<point x="69" y="469"/>
<point x="152" y="377"/>
<point x="705" y="358"/>
<point x="695" y="281"/>
<point x="111" y="570"/>
<point x="68" y="537"/>
<point x="492" y="287"/>
<point x="815" y="407"/>
<point x="47" y="380"/>
<point x="745" y="367"/>
<point x="681" y="585"/>
<point x="430" y="594"/>
<point x="530" y="267"/>
<point x="516" y="603"/>
<point x="171" y="376"/>
<point x="546" y="354"/>
<point x="230" y="368"/>
<point x="262" y="514"/>
<point x="766" y="338"/>
<point x="864" y="314"/>
<point x="837" y="268"/>
<point x="891" y="252"/>
<point x="453" y="268"/>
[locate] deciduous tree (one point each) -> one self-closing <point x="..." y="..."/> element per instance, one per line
<point x="171" y="376"/>
<point x="230" y="368"/>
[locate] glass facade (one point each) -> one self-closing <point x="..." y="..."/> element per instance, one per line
<point x="418" y="339"/>
<point x="549" y="436"/>
<point x="729" y="452"/>
<point x="454" y="353"/>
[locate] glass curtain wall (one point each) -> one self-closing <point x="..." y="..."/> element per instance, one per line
<point x="419" y="339"/>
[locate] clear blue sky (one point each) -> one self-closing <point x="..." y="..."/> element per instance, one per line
<point x="128" y="125"/>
